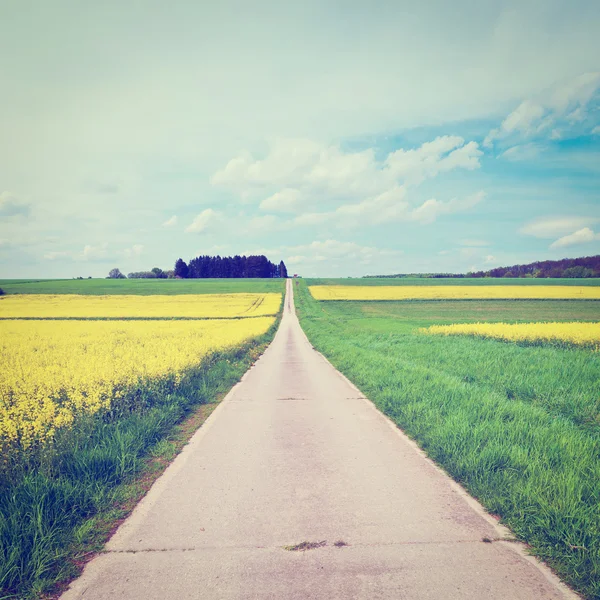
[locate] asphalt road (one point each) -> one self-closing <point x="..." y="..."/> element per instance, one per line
<point x="296" y="454"/>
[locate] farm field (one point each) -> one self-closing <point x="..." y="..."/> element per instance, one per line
<point x="452" y="281"/>
<point x="143" y="287"/>
<point x="518" y="425"/>
<point x="451" y="292"/>
<point x="575" y="333"/>
<point x="89" y="409"/>
<point x="196" y="306"/>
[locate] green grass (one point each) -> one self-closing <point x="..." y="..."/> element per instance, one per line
<point x="376" y="281"/>
<point x="518" y="426"/>
<point x="61" y="506"/>
<point x="144" y="287"/>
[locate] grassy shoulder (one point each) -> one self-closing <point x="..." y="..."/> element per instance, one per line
<point x="142" y="287"/>
<point x="518" y="426"/>
<point x="59" y="509"/>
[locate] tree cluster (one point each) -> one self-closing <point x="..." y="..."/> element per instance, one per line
<point x="237" y="266"/>
<point x="155" y="273"/>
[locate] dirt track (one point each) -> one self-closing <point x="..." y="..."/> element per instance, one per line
<point x="296" y="454"/>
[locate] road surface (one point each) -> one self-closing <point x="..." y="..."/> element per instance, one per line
<point x="296" y="454"/>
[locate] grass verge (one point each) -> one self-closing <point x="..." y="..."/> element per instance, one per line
<point x="518" y="426"/>
<point x="57" y="511"/>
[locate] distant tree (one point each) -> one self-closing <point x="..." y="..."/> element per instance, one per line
<point x="181" y="269"/>
<point x="578" y="272"/>
<point x="282" y="270"/>
<point x="142" y="275"/>
<point x="159" y="273"/>
<point x="115" y="274"/>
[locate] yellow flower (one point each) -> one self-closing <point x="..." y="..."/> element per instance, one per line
<point x="454" y="292"/>
<point x="191" y="305"/>
<point x="56" y="371"/>
<point x="576" y="333"/>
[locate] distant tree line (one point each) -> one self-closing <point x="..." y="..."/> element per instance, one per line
<point x="237" y="266"/>
<point x="213" y="267"/>
<point x="586" y="266"/>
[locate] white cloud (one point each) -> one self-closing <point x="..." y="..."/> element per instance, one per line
<point x="596" y="130"/>
<point x="135" y="250"/>
<point x="388" y="206"/>
<point x="356" y="188"/>
<point x="55" y="255"/>
<point x="550" y="227"/>
<point x="287" y="200"/>
<point x="328" y="255"/>
<point x="431" y="209"/>
<point x="264" y="225"/>
<point x="564" y="105"/>
<point x="581" y="236"/>
<point x="289" y="161"/>
<point x="431" y="158"/>
<point x="304" y="173"/>
<point x="327" y="250"/>
<point x="94" y="252"/>
<point x="490" y="258"/>
<point x="529" y="151"/>
<point x="521" y="120"/>
<point x="204" y="221"/>
<point x="295" y="260"/>
<point x="11" y="206"/>
<point x="474" y="243"/>
<point x="170" y="222"/>
<point x="309" y="219"/>
<point x="89" y="253"/>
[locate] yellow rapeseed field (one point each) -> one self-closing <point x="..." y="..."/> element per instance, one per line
<point x="454" y="292"/>
<point x="190" y="306"/>
<point x="54" y="371"/>
<point x="576" y="333"/>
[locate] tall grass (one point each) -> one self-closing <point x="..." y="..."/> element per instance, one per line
<point x="51" y="506"/>
<point x="518" y="426"/>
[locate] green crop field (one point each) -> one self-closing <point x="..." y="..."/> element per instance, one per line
<point x="518" y="426"/>
<point x="140" y="286"/>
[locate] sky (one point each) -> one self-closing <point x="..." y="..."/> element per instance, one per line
<point x="346" y="138"/>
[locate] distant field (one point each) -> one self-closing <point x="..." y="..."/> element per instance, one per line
<point x="141" y="286"/>
<point x="518" y="425"/>
<point x="454" y="292"/>
<point x="196" y="306"/>
<point x="388" y="316"/>
<point x="448" y="281"/>
<point x="566" y="334"/>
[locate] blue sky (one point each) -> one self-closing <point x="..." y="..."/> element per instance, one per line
<point x="346" y="138"/>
